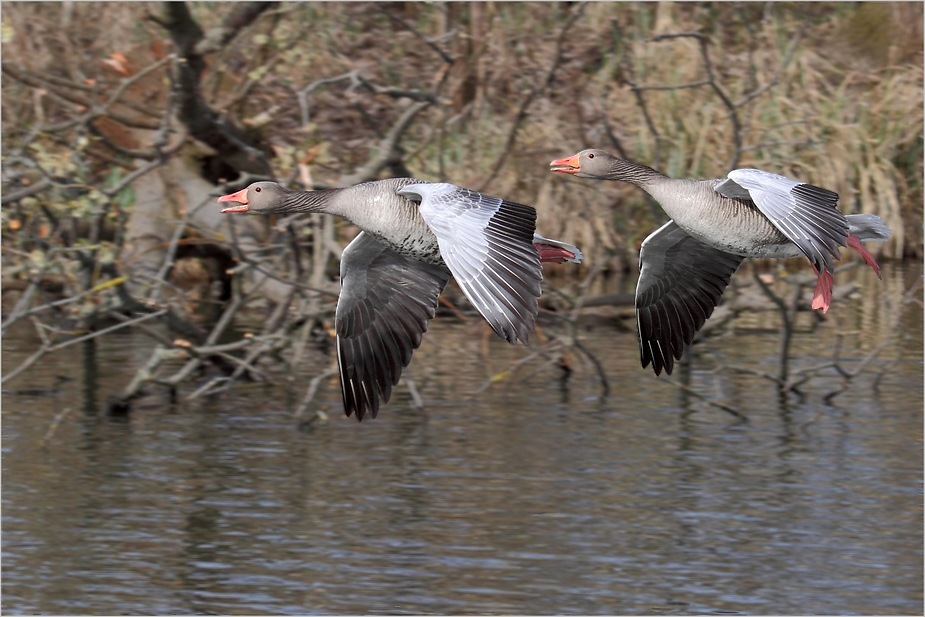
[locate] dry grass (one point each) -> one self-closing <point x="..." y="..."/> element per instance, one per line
<point x="846" y="114"/>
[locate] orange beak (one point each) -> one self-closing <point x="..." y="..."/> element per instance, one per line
<point x="566" y="166"/>
<point x="239" y="197"/>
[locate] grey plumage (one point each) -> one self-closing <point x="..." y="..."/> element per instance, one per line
<point x="385" y="303"/>
<point x="415" y="236"/>
<point x="681" y="280"/>
<point x="686" y="265"/>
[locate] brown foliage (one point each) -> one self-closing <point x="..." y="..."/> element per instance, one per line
<point x="98" y="99"/>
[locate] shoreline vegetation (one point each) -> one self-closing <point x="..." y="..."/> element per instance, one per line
<point x="123" y="122"/>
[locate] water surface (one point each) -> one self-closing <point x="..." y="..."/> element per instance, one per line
<point x="539" y="496"/>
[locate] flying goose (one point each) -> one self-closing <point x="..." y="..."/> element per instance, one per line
<point x="686" y="264"/>
<point x="415" y="236"/>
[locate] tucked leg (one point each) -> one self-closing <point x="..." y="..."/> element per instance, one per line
<point x="855" y="243"/>
<point x="553" y="254"/>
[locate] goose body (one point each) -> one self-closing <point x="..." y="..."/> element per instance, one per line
<point x="686" y="264"/>
<point x="416" y="235"/>
<point x="706" y="215"/>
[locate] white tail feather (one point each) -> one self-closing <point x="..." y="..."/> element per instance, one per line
<point x="868" y="227"/>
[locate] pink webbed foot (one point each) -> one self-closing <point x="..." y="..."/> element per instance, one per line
<point x="822" y="297"/>
<point x="553" y="254"/>
<point x="855" y="243"/>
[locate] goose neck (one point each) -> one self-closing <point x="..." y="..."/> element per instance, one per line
<point x="308" y="201"/>
<point x="641" y="175"/>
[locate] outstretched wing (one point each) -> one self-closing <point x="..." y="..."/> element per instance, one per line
<point x="488" y="245"/>
<point x="680" y="283"/>
<point x="806" y="214"/>
<point x="385" y="302"/>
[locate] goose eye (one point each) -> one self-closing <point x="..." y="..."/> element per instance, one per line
<point x="257" y="189"/>
<point x="590" y="156"/>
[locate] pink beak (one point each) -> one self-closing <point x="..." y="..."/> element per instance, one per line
<point x="239" y="197"/>
<point x="566" y="166"/>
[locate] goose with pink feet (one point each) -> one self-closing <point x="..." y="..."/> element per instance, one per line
<point x="686" y="264"/>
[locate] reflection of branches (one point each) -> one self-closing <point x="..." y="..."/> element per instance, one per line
<point x="556" y="351"/>
<point x="788" y="380"/>
<point x="787" y="315"/>
<point x="730" y="410"/>
<point x="310" y="395"/>
<point x="544" y="351"/>
<point x="910" y="297"/>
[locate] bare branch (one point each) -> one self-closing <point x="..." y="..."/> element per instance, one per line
<point x="27" y="191"/>
<point x="785" y="61"/>
<point x="630" y="77"/>
<point x="524" y="106"/>
<point x="446" y="57"/>
<point x="693" y="84"/>
<point x="205" y="124"/>
<point x="243" y="15"/>
<point x="23" y="75"/>
<point x="783" y="142"/>
<point x="302" y="94"/>
<point x="387" y="150"/>
<point x="312" y="389"/>
<point x="14" y="317"/>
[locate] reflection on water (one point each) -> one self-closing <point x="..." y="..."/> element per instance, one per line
<point x="538" y="497"/>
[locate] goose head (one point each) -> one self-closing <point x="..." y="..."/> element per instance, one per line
<point x="259" y="198"/>
<point x="590" y="163"/>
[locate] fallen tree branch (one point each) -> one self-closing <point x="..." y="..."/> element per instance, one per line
<point x="47" y="348"/>
<point x="310" y="394"/>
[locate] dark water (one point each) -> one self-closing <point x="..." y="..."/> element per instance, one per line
<point x="537" y="497"/>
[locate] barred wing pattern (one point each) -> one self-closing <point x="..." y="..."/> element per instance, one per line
<point x="806" y="214"/>
<point x="487" y="243"/>
<point x="385" y="303"/>
<point x="680" y="283"/>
